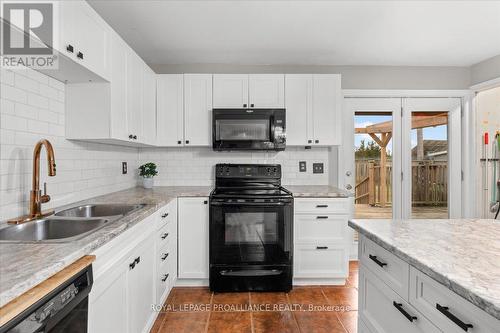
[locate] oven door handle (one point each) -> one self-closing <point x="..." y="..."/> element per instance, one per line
<point x="251" y="272"/>
<point x="263" y="204"/>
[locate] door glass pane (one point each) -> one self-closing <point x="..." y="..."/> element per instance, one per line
<point x="429" y="165"/>
<point x="251" y="228"/>
<point x="243" y="129"/>
<point x="373" y="165"/>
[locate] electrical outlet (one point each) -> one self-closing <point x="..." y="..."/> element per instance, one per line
<point x="302" y="166"/>
<point x="318" y="168"/>
<point x="124" y="168"/>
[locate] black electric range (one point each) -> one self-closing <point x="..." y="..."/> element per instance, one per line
<point x="251" y="225"/>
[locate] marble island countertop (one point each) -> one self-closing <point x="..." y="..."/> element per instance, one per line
<point x="461" y="254"/>
<point x="24" y="265"/>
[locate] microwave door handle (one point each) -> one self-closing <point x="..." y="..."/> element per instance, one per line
<point x="271" y="128"/>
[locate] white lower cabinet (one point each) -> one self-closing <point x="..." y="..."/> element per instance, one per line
<point x="193" y="219"/>
<point x="321" y="241"/>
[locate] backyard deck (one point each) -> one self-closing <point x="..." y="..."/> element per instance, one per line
<point x="365" y="211"/>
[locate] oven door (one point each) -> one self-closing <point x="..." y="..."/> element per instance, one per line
<point x="251" y="233"/>
<point x="248" y="129"/>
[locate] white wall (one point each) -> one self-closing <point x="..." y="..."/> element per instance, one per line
<point x="195" y="166"/>
<point x="32" y="108"/>
<point x="487" y="120"/>
<point x="353" y="77"/>
<point x="486" y="70"/>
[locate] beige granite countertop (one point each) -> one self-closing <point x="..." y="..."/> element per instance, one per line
<point x="317" y="191"/>
<point x="461" y="254"/>
<point x="24" y="265"/>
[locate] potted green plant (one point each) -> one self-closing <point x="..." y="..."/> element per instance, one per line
<point x="147" y="172"/>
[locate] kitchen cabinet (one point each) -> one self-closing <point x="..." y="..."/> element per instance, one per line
<point x="313" y="104"/>
<point x="193" y="219"/>
<point x="236" y="91"/>
<point x="197" y="109"/>
<point x="321" y="241"/>
<point x="148" y="105"/>
<point x="170" y="110"/>
<point x="85" y="37"/>
<point x="166" y="252"/>
<point x="134" y="97"/>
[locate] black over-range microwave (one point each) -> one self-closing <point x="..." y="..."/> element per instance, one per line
<point x="248" y="129"/>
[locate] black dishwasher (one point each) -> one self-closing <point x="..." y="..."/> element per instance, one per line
<point x="65" y="309"/>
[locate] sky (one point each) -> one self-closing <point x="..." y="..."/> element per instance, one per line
<point x="430" y="133"/>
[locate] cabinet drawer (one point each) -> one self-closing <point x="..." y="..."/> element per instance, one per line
<point x="325" y="228"/>
<point x="165" y="216"/>
<point x="321" y="206"/>
<point x="165" y="234"/>
<point x="166" y="254"/>
<point x="392" y="270"/>
<point x="164" y="282"/>
<point x="320" y="261"/>
<point x="428" y="295"/>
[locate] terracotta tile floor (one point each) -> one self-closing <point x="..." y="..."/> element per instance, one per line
<point x="317" y="309"/>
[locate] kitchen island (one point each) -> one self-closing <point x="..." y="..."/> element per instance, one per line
<point x="429" y="275"/>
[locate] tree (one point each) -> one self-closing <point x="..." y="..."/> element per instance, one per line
<point x="368" y="151"/>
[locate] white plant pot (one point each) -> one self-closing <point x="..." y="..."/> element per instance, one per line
<point x="148" y="182"/>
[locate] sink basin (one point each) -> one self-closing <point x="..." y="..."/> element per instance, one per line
<point x="51" y="228"/>
<point x="99" y="210"/>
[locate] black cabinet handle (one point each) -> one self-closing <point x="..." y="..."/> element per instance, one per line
<point x="132" y="265"/>
<point x="251" y="105"/>
<point x="309" y="141"/>
<point x="316" y="141"/>
<point x="187" y="142"/>
<point x="378" y="262"/>
<point x="135" y="137"/>
<point x="445" y="310"/>
<point x="164" y="215"/>
<point x="165" y="256"/>
<point x="69" y="48"/>
<point x="165" y="277"/>
<point x="321" y="247"/>
<point x="321" y="206"/>
<point x="179" y="142"/>
<point x="205" y="202"/>
<point x="244" y="105"/>
<point x="79" y="55"/>
<point x="321" y="217"/>
<point x="408" y="316"/>
<point x="137" y="260"/>
<point x="130" y="136"/>
<point x="165" y="235"/>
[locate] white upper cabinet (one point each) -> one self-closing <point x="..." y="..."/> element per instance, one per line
<point x="230" y="91"/>
<point x="266" y="90"/>
<point x="313" y="109"/>
<point x="148" y="105"/>
<point x="298" y="103"/>
<point x="134" y="97"/>
<point x="198" y="109"/>
<point x="327" y="109"/>
<point x="85" y="37"/>
<point x="118" y="86"/>
<point x="170" y="110"/>
<point x="236" y="91"/>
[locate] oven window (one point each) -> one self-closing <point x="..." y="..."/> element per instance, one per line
<point x="251" y="228"/>
<point x="242" y="129"/>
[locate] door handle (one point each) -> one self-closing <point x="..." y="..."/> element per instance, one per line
<point x="165" y="256"/>
<point x="165" y="235"/>
<point x="445" y="310"/>
<point x="321" y="247"/>
<point x="408" y="316"/>
<point x="378" y="262"/>
<point x="165" y="277"/>
<point x="321" y="217"/>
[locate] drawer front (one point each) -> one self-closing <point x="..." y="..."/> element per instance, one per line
<point x="165" y="234"/>
<point x="166" y="254"/>
<point x="384" y="311"/>
<point x="324" y="228"/>
<point x="428" y="295"/>
<point x="320" y="261"/>
<point x="321" y="206"/>
<point x="392" y="270"/>
<point x="166" y="216"/>
<point x="164" y="282"/>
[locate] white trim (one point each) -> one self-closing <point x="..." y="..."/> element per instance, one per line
<point x="486" y="85"/>
<point x="349" y="93"/>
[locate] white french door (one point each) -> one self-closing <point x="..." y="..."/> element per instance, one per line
<point x="423" y="176"/>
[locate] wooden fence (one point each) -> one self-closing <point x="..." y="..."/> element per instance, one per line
<point x="429" y="183"/>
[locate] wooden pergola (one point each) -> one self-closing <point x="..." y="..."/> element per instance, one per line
<point x="381" y="133"/>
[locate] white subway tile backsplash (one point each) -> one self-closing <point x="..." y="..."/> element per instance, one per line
<point x="27" y="84"/>
<point x="12" y="93"/>
<point x="38" y="101"/>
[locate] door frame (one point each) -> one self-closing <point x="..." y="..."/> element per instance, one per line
<point x="454" y="108"/>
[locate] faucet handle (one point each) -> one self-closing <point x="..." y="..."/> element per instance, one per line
<point x="45" y="197"/>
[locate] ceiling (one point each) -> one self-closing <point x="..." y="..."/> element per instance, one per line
<point x="403" y="33"/>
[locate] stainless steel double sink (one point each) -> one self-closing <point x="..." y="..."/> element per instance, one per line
<point x="67" y="225"/>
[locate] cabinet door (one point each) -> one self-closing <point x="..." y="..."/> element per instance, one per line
<point x="378" y="308"/>
<point x="266" y="90"/>
<point x="108" y="302"/>
<point x="140" y="286"/>
<point x="91" y="39"/>
<point x="170" y="110"/>
<point x="198" y="109"/>
<point x="230" y="91"/>
<point x="193" y="237"/>
<point x="298" y="103"/>
<point x="118" y="86"/>
<point x="326" y="109"/>
<point x="134" y="96"/>
<point x="149" y="106"/>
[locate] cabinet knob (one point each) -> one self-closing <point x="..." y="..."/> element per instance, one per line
<point x="187" y="142"/>
<point x="205" y="202"/>
<point x="348" y="187"/>
<point x="309" y="141"/>
<point x="131" y="136"/>
<point x="244" y="105"/>
<point x="69" y="48"/>
<point x="179" y="142"/>
<point x="135" y="137"/>
<point x="251" y="105"/>
<point x="316" y="141"/>
<point x="79" y="55"/>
